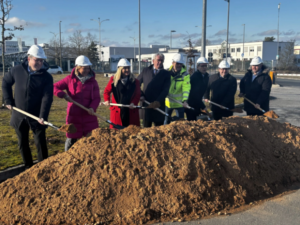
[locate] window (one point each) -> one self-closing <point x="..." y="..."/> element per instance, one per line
<point x="220" y="50"/>
<point x="215" y="51"/>
<point x="209" y="50"/>
<point x="223" y="50"/>
<point x="233" y="50"/>
<point x="259" y="48"/>
<point x="238" y="50"/>
<point x="246" y="49"/>
<point x="251" y="49"/>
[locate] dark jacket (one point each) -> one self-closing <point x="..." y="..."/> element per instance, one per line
<point x="156" y="88"/>
<point x="258" y="90"/>
<point x="198" y="88"/>
<point x="222" y="92"/>
<point x="32" y="93"/>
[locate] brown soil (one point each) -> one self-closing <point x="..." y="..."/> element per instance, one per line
<point x="68" y="128"/>
<point x="271" y="114"/>
<point x="185" y="170"/>
<point x="154" y="105"/>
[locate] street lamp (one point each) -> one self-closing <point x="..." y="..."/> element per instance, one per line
<point x="99" y="22"/>
<point x="243" y="46"/>
<point x="55" y="46"/>
<point x="277" y="57"/>
<point x="227" y="28"/>
<point x="203" y="42"/>
<point x="133" y="47"/>
<point x="60" y="42"/>
<point x="172" y="31"/>
<point x="139" y="36"/>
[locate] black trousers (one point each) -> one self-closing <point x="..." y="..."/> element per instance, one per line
<point x="148" y="123"/>
<point x="23" y="141"/>
<point x="255" y="114"/>
<point x="219" y="114"/>
<point x="191" y="115"/>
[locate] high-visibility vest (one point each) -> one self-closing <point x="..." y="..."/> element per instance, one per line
<point x="179" y="89"/>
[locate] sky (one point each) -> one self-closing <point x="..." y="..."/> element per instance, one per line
<point x="158" y="18"/>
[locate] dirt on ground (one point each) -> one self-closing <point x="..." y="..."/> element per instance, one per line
<point x="68" y="128"/>
<point x="182" y="171"/>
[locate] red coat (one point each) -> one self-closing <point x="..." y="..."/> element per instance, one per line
<point x="87" y="94"/>
<point x="115" y="112"/>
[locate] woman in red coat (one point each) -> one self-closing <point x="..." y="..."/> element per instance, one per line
<point x="125" y="89"/>
<point x="82" y="87"/>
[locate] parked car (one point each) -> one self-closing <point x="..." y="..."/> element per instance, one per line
<point x="55" y="70"/>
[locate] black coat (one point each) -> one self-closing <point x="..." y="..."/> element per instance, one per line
<point x="222" y="92"/>
<point x="198" y="89"/>
<point x="32" y="93"/>
<point x="155" y="88"/>
<point x="258" y="90"/>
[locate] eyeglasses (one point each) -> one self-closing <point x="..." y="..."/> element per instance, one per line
<point x="38" y="60"/>
<point x="203" y="66"/>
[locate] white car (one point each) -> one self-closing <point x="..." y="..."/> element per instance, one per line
<point x="55" y="70"/>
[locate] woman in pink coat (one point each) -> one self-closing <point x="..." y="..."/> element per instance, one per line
<point x="81" y="87"/>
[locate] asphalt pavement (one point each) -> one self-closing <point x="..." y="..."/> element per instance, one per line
<point x="283" y="210"/>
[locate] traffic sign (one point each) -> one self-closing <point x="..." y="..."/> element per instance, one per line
<point x="242" y="54"/>
<point x="210" y="54"/>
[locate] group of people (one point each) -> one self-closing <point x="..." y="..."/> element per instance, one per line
<point x="172" y="89"/>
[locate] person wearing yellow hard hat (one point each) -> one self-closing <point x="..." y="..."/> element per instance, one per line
<point x="221" y="89"/>
<point x="179" y="89"/>
<point x="33" y="93"/>
<point x="256" y="86"/>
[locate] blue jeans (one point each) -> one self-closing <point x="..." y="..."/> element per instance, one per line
<point x="179" y="113"/>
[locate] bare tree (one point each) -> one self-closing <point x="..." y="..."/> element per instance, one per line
<point x="287" y="60"/>
<point x="6" y="7"/>
<point x="78" y="43"/>
<point x="54" y="49"/>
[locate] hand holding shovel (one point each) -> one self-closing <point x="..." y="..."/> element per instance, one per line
<point x="271" y="114"/>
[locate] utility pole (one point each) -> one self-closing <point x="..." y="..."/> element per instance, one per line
<point x="243" y="47"/>
<point x="277" y="57"/>
<point x="139" y="36"/>
<point x="227" y="28"/>
<point x="99" y="22"/>
<point x="60" y="44"/>
<point x="203" y="43"/>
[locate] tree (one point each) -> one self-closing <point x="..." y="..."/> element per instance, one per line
<point x="6" y="7"/>
<point x="54" y="49"/>
<point x="269" y="39"/>
<point x="78" y="43"/>
<point x="92" y="53"/>
<point x="287" y="60"/>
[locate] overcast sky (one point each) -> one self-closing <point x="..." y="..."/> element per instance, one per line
<point x="158" y="17"/>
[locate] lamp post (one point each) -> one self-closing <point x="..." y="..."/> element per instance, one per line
<point x="277" y="57"/>
<point x="172" y="31"/>
<point x="139" y="36"/>
<point x="99" y="22"/>
<point x="55" y="46"/>
<point x="60" y="43"/>
<point x="203" y="42"/>
<point x="133" y="48"/>
<point x="243" y="46"/>
<point x="227" y="28"/>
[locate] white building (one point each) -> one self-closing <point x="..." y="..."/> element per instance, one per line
<point x="12" y="47"/>
<point x="266" y="50"/>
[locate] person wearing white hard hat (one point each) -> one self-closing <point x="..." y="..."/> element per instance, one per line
<point x="221" y="89"/>
<point x="256" y="86"/>
<point x="123" y="88"/>
<point x="82" y="87"/>
<point x="179" y="89"/>
<point x="199" y="82"/>
<point x="33" y="93"/>
<point x="156" y="83"/>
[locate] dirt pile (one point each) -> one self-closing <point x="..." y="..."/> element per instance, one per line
<point x="271" y="114"/>
<point x="68" y="128"/>
<point x="184" y="170"/>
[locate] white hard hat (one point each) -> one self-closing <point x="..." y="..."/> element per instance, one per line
<point x="123" y="62"/>
<point x="82" y="61"/>
<point x="256" y="61"/>
<point x="224" y="65"/>
<point x="202" y="60"/>
<point x="178" y="58"/>
<point x="37" y="51"/>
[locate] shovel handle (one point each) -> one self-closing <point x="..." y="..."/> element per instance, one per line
<point x="223" y="107"/>
<point x="179" y="102"/>
<point x="29" y="115"/>
<point x="86" y="109"/>
<point x="159" y="110"/>
<point x="254" y="105"/>
<point x="121" y="105"/>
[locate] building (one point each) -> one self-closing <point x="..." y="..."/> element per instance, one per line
<point x="12" y="47"/>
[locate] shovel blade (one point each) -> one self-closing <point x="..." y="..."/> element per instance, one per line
<point x="237" y="110"/>
<point x="271" y="114"/>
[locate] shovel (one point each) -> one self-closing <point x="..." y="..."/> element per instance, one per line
<point x="189" y="107"/>
<point x="67" y="128"/>
<point x="271" y="114"/>
<point x="127" y="106"/>
<point x="174" y="118"/>
<point x="237" y="110"/>
<point x="119" y="127"/>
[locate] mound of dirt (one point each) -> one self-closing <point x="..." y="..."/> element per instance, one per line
<point x="185" y="170"/>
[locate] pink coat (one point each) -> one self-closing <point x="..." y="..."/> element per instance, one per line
<point x="87" y="94"/>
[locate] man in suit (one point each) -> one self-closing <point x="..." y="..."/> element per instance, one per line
<point x="156" y="83"/>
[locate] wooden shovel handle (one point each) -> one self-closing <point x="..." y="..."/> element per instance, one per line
<point x="174" y="100"/>
<point x="159" y="110"/>
<point x="223" y="107"/>
<point x="254" y="104"/>
<point x="86" y="109"/>
<point x="28" y="114"/>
